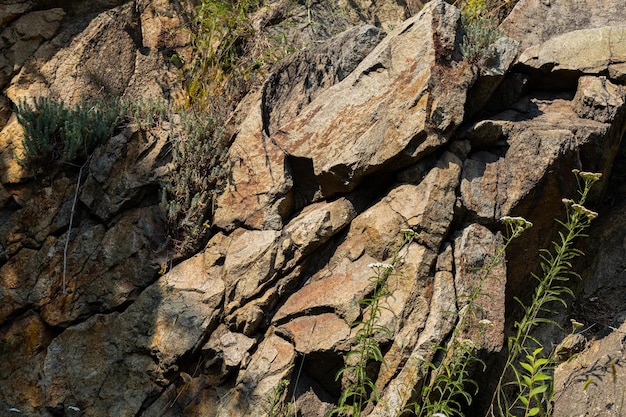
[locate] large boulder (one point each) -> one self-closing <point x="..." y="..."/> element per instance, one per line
<point x="260" y="193"/>
<point x="595" y="51"/>
<point x="401" y="102"/>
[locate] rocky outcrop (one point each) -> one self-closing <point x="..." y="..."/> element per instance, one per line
<point x="560" y="17"/>
<point x="346" y="146"/>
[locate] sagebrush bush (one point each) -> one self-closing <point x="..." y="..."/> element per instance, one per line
<point x="199" y="160"/>
<point x="480" y="20"/>
<point x="146" y="113"/>
<point x="54" y="132"/>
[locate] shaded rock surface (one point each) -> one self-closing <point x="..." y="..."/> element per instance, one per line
<point x="348" y="144"/>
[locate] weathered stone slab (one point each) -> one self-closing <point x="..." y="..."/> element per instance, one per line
<point x="535" y="21"/>
<point x="588" y="51"/>
<point x="94" y="365"/>
<point x="399" y="104"/>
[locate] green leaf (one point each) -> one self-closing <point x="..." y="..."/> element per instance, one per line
<point x="527" y="366"/>
<point x="533" y="411"/>
<point x="542" y="377"/>
<point x="538" y="390"/>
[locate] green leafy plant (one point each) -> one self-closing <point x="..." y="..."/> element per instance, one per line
<point x="481" y="29"/>
<point x="361" y="388"/>
<point x="513" y="391"/>
<point x="199" y="155"/>
<point x="534" y="382"/>
<point x="54" y="132"/>
<point x="278" y="407"/>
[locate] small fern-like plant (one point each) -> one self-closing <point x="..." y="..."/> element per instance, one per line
<point x="523" y="386"/>
<point x="361" y="389"/>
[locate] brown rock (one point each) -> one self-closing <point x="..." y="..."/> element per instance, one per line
<point x="261" y="175"/>
<point x="598" y="99"/>
<point x="104" y="268"/>
<point x="363" y="123"/>
<point x="387" y="14"/>
<point x="412" y="349"/>
<point x="590" y="51"/>
<point x="276" y="290"/>
<point x="338" y="289"/>
<point x="20" y="40"/>
<point x="407" y="308"/>
<point x="5" y="196"/>
<point x="429" y="207"/>
<point x="305" y="75"/>
<point x="17" y="280"/>
<point x="547" y="135"/>
<point x="11" y="172"/>
<point x="426" y="207"/>
<point x="559" y="17"/>
<point x="592" y="382"/>
<point x="602" y="291"/>
<point x="89" y="69"/>
<point x="443" y="301"/>
<point x="493" y="68"/>
<point x="188" y="299"/>
<point x="249" y="264"/>
<point x="474" y="250"/>
<point x="233" y="347"/>
<point x="315" y="333"/>
<point x="376" y="232"/>
<point x="310" y="229"/>
<point x="87" y="368"/>
<point x="5" y="112"/>
<point x="258" y="194"/>
<point x="42" y="23"/>
<point x="14" y="8"/>
<point x="129" y="353"/>
<point x="125" y="171"/>
<point x="22" y="346"/>
<point x="272" y="362"/>
<point x="47" y="212"/>
<point x="161" y="27"/>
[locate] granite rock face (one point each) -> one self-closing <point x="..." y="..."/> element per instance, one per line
<point x="559" y="17"/>
<point x="347" y="146"/>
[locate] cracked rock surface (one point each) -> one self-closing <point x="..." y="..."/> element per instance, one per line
<point x="347" y="143"/>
